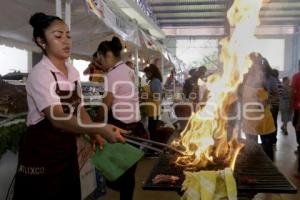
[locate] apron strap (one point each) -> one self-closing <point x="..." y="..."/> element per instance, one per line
<point x="57" y="86"/>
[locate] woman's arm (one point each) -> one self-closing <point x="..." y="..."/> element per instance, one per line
<point x="59" y="120"/>
<point x="85" y="119"/>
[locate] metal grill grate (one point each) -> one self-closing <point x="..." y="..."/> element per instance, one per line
<point x="252" y="164"/>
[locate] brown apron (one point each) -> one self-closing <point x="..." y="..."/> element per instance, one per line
<point x="48" y="164"/>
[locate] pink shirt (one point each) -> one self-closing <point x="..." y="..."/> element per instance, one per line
<point x="40" y="87"/>
<point x="121" y="83"/>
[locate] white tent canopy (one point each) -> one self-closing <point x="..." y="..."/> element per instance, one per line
<point x="87" y="30"/>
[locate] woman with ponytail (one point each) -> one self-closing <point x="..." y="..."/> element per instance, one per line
<point x="122" y="103"/>
<point x="48" y="165"/>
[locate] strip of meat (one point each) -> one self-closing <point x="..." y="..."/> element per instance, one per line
<point x="162" y="178"/>
<point x="248" y="180"/>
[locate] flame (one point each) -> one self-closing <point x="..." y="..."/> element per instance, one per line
<point x="204" y="139"/>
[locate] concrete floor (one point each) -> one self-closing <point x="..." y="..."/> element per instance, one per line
<point x="285" y="161"/>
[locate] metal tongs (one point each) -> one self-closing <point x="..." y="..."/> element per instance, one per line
<point x="147" y="144"/>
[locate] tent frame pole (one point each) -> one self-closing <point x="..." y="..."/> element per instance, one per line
<point x="58" y="8"/>
<point x="162" y="59"/>
<point x="136" y="60"/>
<point x="68" y="13"/>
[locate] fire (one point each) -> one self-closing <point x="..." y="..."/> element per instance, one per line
<point x="204" y="140"/>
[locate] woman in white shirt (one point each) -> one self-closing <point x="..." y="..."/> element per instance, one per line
<point x="122" y="102"/>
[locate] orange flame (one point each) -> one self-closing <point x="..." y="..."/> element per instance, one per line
<point x="204" y="139"/>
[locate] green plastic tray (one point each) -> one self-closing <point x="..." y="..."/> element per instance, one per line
<point x="115" y="159"/>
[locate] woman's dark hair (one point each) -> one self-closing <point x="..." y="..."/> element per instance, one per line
<point x="155" y="73"/>
<point x="192" y="71"/>
<point x="115" y="46"/>
<point x="40" y="22"/>
<point x="285" y="78"/>
<point x="275" y="73"/>
<point x="129" y="63"/>
<point x="95" y="54"/>
<point x="266" y="68"/>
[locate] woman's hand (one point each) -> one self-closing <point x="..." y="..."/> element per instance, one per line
<point x="97" y="140"/>
<point x="113" y="134"/>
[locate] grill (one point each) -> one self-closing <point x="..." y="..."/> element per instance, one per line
<point x="254" y="173"/>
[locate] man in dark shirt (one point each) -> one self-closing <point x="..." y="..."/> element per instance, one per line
<point x="191" y="83"/>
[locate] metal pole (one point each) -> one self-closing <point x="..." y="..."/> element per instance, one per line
<point x="68" y="13"/>
<point x="162" y="67"/>
<point x="295" y="53"/>
<point x="58" y="8"/>
<point x="29" y="61"/>
<point x="298" y="49"/>
<point x="68" y="19"/>
<point x="136" y="55"/>
<point x="227" y="32"/>
<point x="227" y="28"/>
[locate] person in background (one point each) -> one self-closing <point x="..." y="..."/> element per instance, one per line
<point x="122" y="102"/>
<point x="254" y="90"/>
<point x="95" y="70"/>
<point x="296" y="108"/>
<point x="200" y="88"/>
<point x="47" y="162"/>
<point x="130" y="64"/>
<point x="272" y="77"/>
<point x="191" y="84"/>
<point x="188" y="84"/>
<point x="285" y="104"/>
<point x="171" y="81"/>
<point x="154" y="96"/>
<point x="141" y="80"/>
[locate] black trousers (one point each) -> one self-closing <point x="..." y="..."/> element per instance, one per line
<point x="295" y="120"/>
<point x="267" y="145"/>
<point x="275" y="111"/>
<point x="125" y="184"/>
<point x="152" y="126"/>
